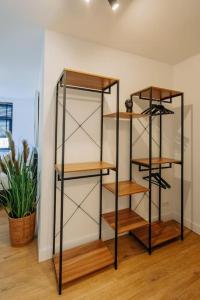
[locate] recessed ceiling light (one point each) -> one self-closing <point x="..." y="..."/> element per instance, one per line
<point x="87" y="1"/>
<point x="114" y="4"/>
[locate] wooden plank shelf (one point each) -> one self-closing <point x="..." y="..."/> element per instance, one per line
<point x="83" y="260"/>
<point x="161" y="232"/>
<point x="158" y="94"/>
<point x="86" y="166"/>
<point x="126" y="115"/>
<point x="86" y="80"/>
<point x="127" y="220"/>
<point x="126" y="188"/>
<point x="155" y="161"/>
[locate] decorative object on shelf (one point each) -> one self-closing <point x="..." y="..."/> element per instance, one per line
<point x="129" y="105"/>
<point x="20" y="192"/>
<point x="157" y="109"/>
<point x="158" y="180"/>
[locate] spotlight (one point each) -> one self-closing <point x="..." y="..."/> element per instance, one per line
<point x="114" y="4"/>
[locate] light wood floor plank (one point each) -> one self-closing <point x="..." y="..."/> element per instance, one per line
<point x="172" y="272"/>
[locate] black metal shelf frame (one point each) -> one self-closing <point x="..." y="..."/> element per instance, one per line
<point x="61" y="177"/>
<point x="150" y="167"/>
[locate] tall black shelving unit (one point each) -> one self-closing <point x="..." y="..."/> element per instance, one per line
<point x="79" y="261"/>
<point x="156" y="233"/>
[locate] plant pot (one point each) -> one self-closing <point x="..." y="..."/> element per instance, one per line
<point x="22" y="230"/>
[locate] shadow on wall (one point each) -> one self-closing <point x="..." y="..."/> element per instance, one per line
<point x="188" y="111"/>
<point x="188" y="158"/>
<point x="188" y="203"/>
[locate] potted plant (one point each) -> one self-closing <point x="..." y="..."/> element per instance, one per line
<point x="19" y="192"/>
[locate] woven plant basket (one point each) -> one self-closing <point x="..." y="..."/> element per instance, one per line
<point x="22" y="230"/>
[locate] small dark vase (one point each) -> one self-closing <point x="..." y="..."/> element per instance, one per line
<point x="129" y="105"/>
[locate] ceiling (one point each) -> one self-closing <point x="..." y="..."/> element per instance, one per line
<point x="164" y="30"/>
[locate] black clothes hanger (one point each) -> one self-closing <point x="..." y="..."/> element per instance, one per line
<point x="157" y="109"/>
<point x="163" y="181"/>
<point x="158" y="180"/>
<point x="155" y="182"/>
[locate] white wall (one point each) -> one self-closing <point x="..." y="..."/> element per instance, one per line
<point x="23" y="119"/>
<point x="186" y="79"/>
<point x="20" y="63"/>
<point x="20" y="56"/>
<point x="134" y="72"/>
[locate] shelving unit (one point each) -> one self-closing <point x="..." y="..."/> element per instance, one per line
<point x="79" y="261"/>
<point x="128" y="220"/>
<point x="74" y="263"/>
<point x="126" y="115"/>
<point x="83" y="260"/>
<point x="153" y="93"/>
<point x="83" y="167"/>
<point x="126" y="188"/>
<point x="155" y="161"/>
<point x="156" y="233"/>
<point x="161" y="232"/>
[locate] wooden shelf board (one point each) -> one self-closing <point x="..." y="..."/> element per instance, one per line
<point x="86" y="80"/>
<point x="157" y="93"/>
<point x="86" y="166"/>
<point x="83" y="260"/>
<point x="125" y="115"/>
<point x="126" y="188"/>
<point x="161" y="232"/>
<point x="155" y="161"/>
<point x="127" y="220"/>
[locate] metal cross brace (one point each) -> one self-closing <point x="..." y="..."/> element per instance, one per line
<point x="140" y="201"/>
<point x="78" y="207"/>
<point x="80" y="126"/>
<point x="145" y="129"/>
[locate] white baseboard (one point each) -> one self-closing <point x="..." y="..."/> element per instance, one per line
<point x="187" y="223"/>
<point x="46" y="253"/>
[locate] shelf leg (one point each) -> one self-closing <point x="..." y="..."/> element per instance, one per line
<point x="182" y="166"/>
<point x="55" y="179"/>
<point x="130" y="157"/>
<point x="101" y="158"/>
<point x="150" y="167"/>
<point x="160" y="169"/>
<point x="116" y="180"/>
<point x="62" y="191"/>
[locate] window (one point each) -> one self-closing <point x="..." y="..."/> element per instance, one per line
<point x="6" y="116"/>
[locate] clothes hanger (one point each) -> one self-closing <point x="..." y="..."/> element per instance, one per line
<point x="163" y="180"/>
<point x="158" y="180"/>
<point x="155" y="180"/>
<point x="157" y="109"/>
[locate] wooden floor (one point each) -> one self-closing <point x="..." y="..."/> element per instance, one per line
<point x="171" y="272"/>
